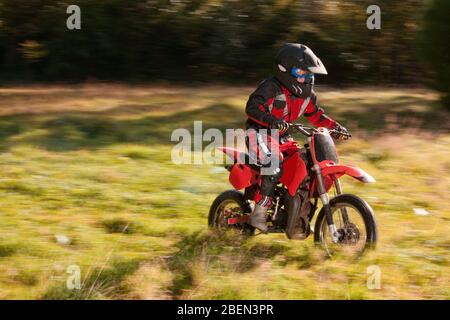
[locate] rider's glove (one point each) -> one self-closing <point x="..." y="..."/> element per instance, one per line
<point x="281" y="125"/>
<point x="340" y="133"/>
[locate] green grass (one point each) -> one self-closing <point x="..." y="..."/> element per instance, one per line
<point x="93" y="163"/>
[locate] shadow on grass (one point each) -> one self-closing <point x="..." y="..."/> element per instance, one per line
<point x="100" y="283"/>
<point x="373" y="121"/>
<point x="90" y="130"/>
<point x="215" y="252"/>
<point x="398" y="113"/>
<point x="7" y="250"/>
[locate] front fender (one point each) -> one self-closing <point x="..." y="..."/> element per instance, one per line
<point x="355" y="172"/>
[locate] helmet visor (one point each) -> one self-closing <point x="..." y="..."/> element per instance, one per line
<point x="297" y="72"/>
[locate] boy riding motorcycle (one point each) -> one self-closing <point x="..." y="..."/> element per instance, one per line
<point x="281" y="100"/>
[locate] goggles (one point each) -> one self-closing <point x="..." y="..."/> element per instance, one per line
<point x="306" y="76"/>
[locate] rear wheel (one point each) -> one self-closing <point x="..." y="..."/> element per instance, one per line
<point x="355" y="225"/>
<point x="230" y="204"/>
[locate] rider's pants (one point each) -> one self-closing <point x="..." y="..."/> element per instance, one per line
<point x="259" y="147"/>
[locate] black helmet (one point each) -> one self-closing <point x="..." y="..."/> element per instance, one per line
<point x="292" y="56"/>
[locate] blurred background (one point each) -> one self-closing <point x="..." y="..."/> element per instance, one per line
<point x="85" y="122"/>
<point x="146" y="40"/>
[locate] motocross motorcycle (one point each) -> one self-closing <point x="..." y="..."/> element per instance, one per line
<point x="345" y="222"/>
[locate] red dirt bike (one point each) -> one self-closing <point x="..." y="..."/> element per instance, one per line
<point x="345" y="223"/>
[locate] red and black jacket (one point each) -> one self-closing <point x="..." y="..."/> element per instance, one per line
<point x="272" y="101"/>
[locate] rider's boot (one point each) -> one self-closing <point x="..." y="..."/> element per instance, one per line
<point x="258" y="217"/>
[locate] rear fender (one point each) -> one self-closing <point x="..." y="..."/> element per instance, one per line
<point x="232" y="153"/>
<point x="242" y="176"/>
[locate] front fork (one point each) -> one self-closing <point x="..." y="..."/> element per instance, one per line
<point x="344" y="214"/>
<point x="326" y="203"/>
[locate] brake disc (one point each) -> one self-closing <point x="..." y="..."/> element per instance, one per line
<point x="349" y="234"/>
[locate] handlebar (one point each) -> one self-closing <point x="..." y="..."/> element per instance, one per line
<point x="308" y="131"/>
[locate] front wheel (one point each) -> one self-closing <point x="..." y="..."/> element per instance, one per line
<point x="230" y="204"/>
<point x="355" y="225"/>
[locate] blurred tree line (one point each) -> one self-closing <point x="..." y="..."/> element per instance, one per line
<point x="216" y="40"/>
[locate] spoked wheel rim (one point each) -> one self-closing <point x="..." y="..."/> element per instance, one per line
<point x="352" y="239"/>
<point x="229" y="209"/>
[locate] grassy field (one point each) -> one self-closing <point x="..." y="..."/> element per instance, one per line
<point x="87" y="181"/>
